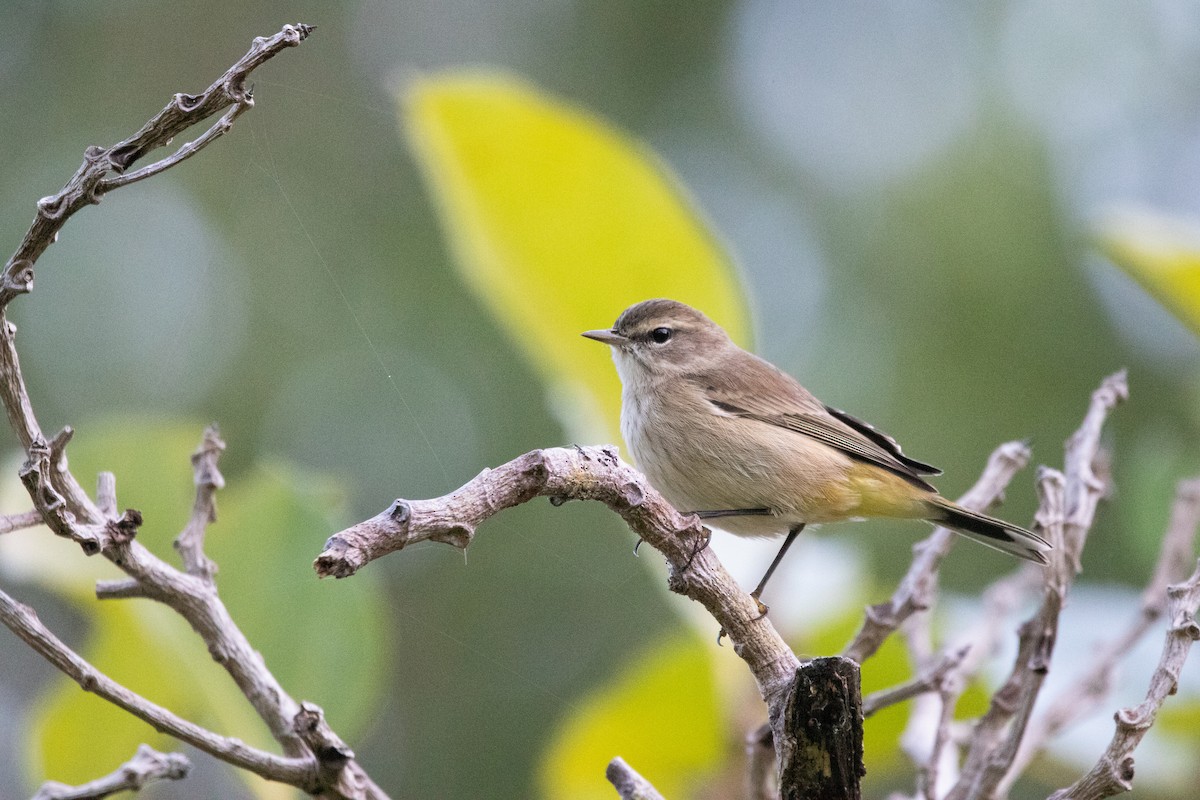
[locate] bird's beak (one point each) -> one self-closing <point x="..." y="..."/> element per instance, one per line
<point x="607" y="337"/>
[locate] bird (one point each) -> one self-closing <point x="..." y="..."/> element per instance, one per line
<point x="728" y="436"/>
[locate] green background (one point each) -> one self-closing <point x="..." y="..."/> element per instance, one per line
<point x="910" y="193"/>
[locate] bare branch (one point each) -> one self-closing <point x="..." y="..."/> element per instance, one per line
<point x="929" y="680"/>
<point x="119" y="589"/>
<point x="926" y="738"/>
<point x="243" y="102"/>
<point x="146" y="766"/>
<point x="24" y="622"/>
<point x="208" y="479"/>
<point x="916" y="590"/>
<point x="597" y="473"/>
<point x="91" y="180"/>
<point x="1065" y="514"/>
<point x="56" y="493"/>
<point x="760" y="764"/>
<point x="1091" y="688"/>
<point x="106" y="494"/>
<point x="628" y="783"/>
<point x="997" y="735"/>
<point x="21" y="521"/>
<point x="1113" y="773"/>
<point x="580" y="473"/>
<point x="69" y="512"/>
<point x="1084" y="488"/>
<point x="336" y="761"/>
<point x="942" y="766"/>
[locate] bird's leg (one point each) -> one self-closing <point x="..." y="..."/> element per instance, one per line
<point x="758" y="590"/>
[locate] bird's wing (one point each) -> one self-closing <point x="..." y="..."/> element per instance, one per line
<point x="758" y="391"/>
<point x="885" y="441"/>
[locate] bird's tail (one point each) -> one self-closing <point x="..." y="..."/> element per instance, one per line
<point x="995" y="533"/>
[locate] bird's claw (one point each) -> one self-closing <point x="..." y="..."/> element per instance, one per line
<point x="703" y="543"/>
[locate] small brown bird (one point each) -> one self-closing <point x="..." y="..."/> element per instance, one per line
<point x="725" y="434"/>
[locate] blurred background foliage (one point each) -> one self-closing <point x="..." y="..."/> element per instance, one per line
<point x="920" y="201"/>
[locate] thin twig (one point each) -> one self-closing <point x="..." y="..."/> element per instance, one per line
<point x="69" y="512"/>
<point x="1065" y="515"/>
<point x="1087" y="692"/>
<point x="997" y="735"/>
<point x="106" y="494"/>
<point x="1085" y="488"/>
<point x="926" y="738"/>
<point x="929" y="680"/>
<point x="243" y="102"/>
<point x="208" y="479"/>
<point x="24" y="622"/>
<point x="1113" y="773"/>
<point x="146" y="766"/>
<point x="92" y="180"/>
<point x="915" y="592"/>
<point x="21" y="521"/>
<point x="942" y="767"/>
<point x="628" y="783"/>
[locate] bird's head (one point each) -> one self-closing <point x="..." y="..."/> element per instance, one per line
<point x="660" y="338"/>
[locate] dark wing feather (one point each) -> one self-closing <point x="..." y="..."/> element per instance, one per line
<point x="755" y="389"/>
<point x="883" y="440"/>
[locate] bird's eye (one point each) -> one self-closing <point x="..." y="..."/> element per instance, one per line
<point x="661" y="335"/>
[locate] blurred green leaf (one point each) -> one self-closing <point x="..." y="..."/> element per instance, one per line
<point x="1179" y="718"/>
<point x="660" y="713"/>
<point x="559" y="222"/>
<point x="1162" y="254"/>
<point x="270" y="520"/>
<point x="150" y="650"/>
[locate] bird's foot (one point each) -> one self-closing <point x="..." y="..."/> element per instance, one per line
<point x="763" y="610"/>
<point x="700" y="544"/>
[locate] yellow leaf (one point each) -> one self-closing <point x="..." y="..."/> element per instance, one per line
<point x="661" y="714"/>
<point x="1162" y="254"/>
<point x="559" y="222"/>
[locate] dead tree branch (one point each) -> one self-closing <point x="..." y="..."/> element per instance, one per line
<point x="597" y="473"/>
<point x="915" y="592"/>
<point x="580" y="473"/>
<point x="1065" y="515"/>
<point x="1113" y="773"/>
<point x="628" y="783"/>
<point x="310" y="760"/>
<point x="146" y="766"/>
<point x="24" y="622"/>
<point x="929" y="680"/>
<point x="103" y="168"/>
<point x="1088" y="690"/>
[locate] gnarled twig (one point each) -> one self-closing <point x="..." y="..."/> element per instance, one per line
<point x="919" y="584"/>
<point x="1113" y="773"/>
<point x="66" y="509"/>
<point x="146" y="766"/>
